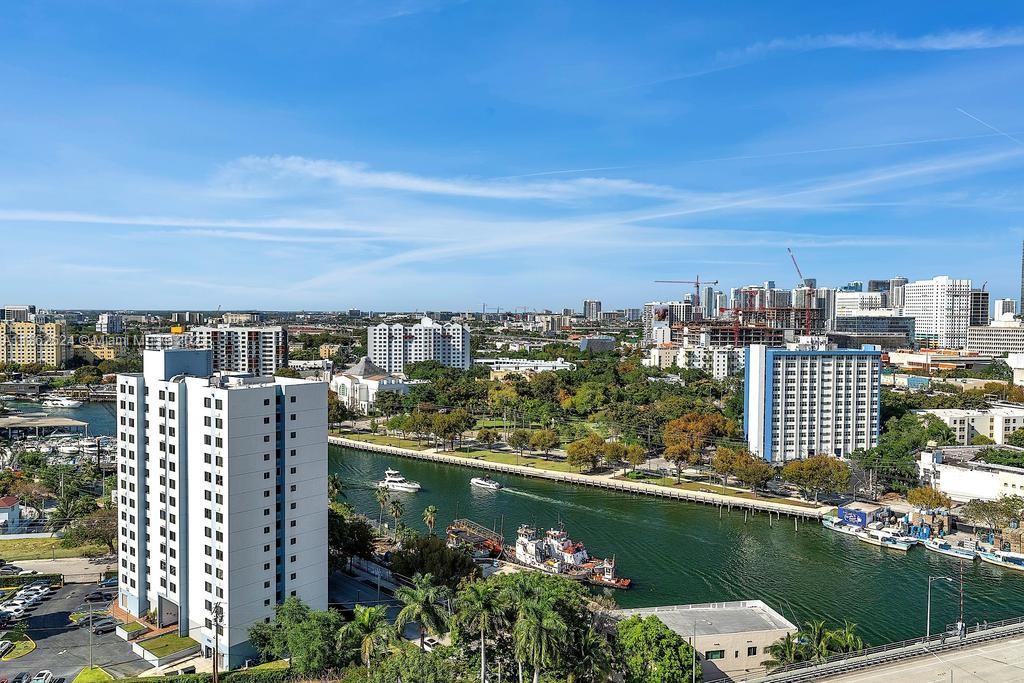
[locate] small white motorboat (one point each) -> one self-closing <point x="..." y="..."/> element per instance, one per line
<point x="68" y="449"/>
<point x="485" y="483"/>
<point x="394" y="481"/>
<point x="946" y="548"/>
<point x="884" y="539"/>
<point x="1002" y="558"/>
<point x="62" y="403"/>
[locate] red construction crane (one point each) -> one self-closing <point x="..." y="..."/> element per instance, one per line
<point x="697" y="313"/>
<point x="808" y="298"/>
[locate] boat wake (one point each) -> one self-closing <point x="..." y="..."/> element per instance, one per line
<point x="547" y="499"/>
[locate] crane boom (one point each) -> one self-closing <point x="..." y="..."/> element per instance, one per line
<point x="795" y="264"/>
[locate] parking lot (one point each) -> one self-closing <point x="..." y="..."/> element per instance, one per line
<point x="64" y="648"/>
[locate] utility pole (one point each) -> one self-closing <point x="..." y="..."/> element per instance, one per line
<point x="90" y="638"/>
<point x="218" y="614"/>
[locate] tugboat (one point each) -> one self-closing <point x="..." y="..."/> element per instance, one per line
<point x="394" y="481"/>
<point x="556" y="553"/>
<point x="485" y="482"/>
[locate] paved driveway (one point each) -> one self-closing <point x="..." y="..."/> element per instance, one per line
<point x="64" y="649"/>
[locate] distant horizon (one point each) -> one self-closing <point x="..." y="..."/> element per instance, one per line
<point x="440" y="154"/>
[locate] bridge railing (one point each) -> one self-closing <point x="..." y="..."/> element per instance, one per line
<point x="947" y="637"/>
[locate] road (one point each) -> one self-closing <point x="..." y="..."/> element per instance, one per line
<point x="63" y="648"/>
<point x="1001" y="660"/>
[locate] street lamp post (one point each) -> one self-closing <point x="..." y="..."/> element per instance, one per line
<point x="928" y="626"/>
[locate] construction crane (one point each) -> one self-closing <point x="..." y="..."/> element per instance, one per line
<point x="697" y="313"/>
<point x="808" y="298"/>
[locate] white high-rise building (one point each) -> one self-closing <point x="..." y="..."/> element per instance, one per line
<point x="19" y="313"/>
<point x="392" y="347"/>
<point x="222" y="482"/>
<point x="110" y="323"/>
<point x="810" y="399"/>
<point x="941" y="309"/>
<point x="591" y="309"/>
<point x="260" y="350"/>
<point x="853" y="303"/>
<point x="1004" y="306"/>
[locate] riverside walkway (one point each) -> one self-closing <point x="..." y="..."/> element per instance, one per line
<point x="605" y="481"/>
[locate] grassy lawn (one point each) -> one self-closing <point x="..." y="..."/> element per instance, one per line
<point x="277" y="665"/>
<point x="167" y="644"/>
<point x="511" y="458"/>
<point x="44" y="549"/>
<point x="705" y="487"/>
<point x="92" y="675"/>
<point x="386" y="441"/>
<point x="22" y="647"/>
<point x="133" y="627"/>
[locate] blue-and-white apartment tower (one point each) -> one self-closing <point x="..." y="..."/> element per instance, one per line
<point x="222" y="497"/>
<point x="811" y="398"/>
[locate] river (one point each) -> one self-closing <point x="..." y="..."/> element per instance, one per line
<point x="678" y="553"/>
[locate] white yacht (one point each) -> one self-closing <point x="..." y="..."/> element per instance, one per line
<point x="942" y="547"/>
<point x="485" y="483"/>
<point x="62" y="402"/>
<point x="394" y="481"/>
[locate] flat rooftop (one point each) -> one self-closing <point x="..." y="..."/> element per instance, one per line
<point x="715" y="618"/>
<point x="30" y="421"/>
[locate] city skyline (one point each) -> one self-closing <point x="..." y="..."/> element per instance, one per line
<point x="248" y="156"/>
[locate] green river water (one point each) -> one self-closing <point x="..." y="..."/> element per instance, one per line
<point x="678" y="553"/>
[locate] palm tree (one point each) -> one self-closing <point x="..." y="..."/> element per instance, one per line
<point x="480" y="609"/>
<point x="396" y="509"/>
<point x="335" y="487"/>
<point x="68" y="509"/>
<point x="430" y="518"/>
<point x="592" y="659"/>
<point x="538" y="634"/>
<point x="422" y="604"/>
<point x="787" y="650"/>
<point x="369" y="630"/>
<point x="817" y="638"/>
<point x="383" y="498"/>
<point x="845" y="639"/>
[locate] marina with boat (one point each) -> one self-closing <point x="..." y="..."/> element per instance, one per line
<point x="876" y="525"/>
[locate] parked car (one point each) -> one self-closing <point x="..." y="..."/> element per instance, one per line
<point x="27" y="572"/>
<point x="15" y="611"/>
<point x="5" y="647"/>
<point x="99" y="596"/>
<point x="44" y="676"/>
<point x="109" y="583"/>
<point x="104" y="625"/>
<point x="430" y="642"/>
<point x="9" y="569"/>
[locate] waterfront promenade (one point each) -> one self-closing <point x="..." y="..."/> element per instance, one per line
<point x="603" y="481"/>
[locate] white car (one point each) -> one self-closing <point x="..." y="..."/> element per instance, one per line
<point x="16" y="611"/>
<point x="5" y="647"/>
<point x="28" y="572"/>
<point x="44" y="676"/>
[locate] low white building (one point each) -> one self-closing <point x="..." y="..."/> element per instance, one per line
<point x="718" y="361"/>
<point x="357" y="387"/>
<point x="961" y="475"/>
<point x="525" y="366"/>
<point x="1001" y="336"/>
<point x="730" y="637"/>
<point x="996" y="423"/>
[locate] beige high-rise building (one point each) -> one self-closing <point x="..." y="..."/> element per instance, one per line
<point x="25" y="342"/>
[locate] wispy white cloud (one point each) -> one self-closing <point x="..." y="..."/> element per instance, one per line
<point x="347" y="174"/>
<point x="956" y="40"/>
<point x="969" y="39"/>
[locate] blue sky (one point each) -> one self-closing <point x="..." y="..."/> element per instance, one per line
<point x="410" y="154"/>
